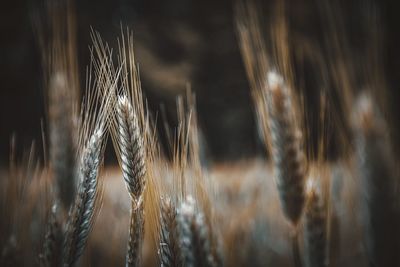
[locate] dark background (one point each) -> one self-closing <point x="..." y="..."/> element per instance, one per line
<point x="177" y="41"/>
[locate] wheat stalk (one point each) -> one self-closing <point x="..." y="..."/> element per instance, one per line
<point x="136" y="234"/>
<point x="81" y="216"/>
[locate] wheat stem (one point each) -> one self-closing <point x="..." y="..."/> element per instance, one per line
<point x="136" y="234"/>
<point x="296" y="250"/>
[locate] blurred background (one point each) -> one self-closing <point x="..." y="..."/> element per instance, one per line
<point x="179" y="42"/>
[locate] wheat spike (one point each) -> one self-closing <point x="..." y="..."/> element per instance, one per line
<point x="62" y="138"/>
<point x="376" y="168"/>
<point x="169" y="242"/>
<point x="203" y="249"/>
<point x="81" y="216"/>
<point x="193" y="235"/>
<point x="315" y="232"/>
<point x="51" y="255"/>
<point x="133" y="164"/>
<point x="131" y="148"/>
<point x="62" y="87"/>
<point x="287" y="154"/>
<point x="185" y="218"/>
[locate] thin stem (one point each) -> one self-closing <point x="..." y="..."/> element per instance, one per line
<point x="296" y="250"/>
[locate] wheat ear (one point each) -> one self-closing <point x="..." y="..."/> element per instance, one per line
<point x="287" y="154"/>
<point x="170" y="255"/>
<point x="315" y="233"/>
<point x="376" y="168"/>
<point x="52" y="246"/>
<point x="193" y="236"/>
<point x="62" y="138"/>
<point x="81" y="216"/>
<point x="133" y="164"/>
<point x="131" y="148"/>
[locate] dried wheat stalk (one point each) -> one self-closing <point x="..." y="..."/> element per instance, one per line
<point x="169" y="242"/>
<point x="81" y="215"/>
<point x="315" y="232"/>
